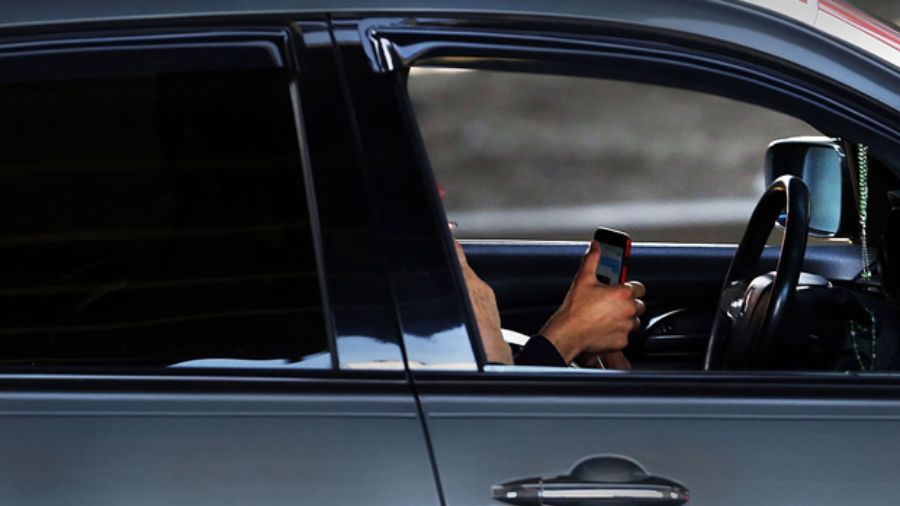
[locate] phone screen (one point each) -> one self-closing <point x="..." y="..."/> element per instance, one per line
<point x="609" y="270"/>
<point x="614" y="246"/>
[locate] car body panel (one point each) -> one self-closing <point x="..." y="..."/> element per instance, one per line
<point x="192" y="440"/>
<point x="726" y="449"/>
<point x="844" y="21"/>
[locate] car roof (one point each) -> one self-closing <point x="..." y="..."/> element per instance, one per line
<point x="833" y="17"/>
<point x="826" y="36"/>
<point x="843" y="21"/>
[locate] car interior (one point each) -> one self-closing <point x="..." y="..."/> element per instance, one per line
<point x="793" y="296"/>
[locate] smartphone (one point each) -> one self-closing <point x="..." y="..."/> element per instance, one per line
<point x="615" y="246"/>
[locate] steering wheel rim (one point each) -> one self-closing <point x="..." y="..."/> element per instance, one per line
<point x="735" y="341"/>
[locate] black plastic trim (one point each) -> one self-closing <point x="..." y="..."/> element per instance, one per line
<point x="360" y="297"/>
<point x="405" y="207"/>
<point x="98" y="55"/>
<point x="310" y="188"/>
<point x="446" y="235"/>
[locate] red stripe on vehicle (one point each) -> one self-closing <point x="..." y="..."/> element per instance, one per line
<point x="861" y="21"/>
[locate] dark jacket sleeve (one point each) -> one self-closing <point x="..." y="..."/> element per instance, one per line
<point x="539" y="351"/>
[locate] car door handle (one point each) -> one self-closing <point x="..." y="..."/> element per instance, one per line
<point x="577" y="494"/>
<point x="594" y="481"/>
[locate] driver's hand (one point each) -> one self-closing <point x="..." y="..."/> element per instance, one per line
<point x="487" y="316"/>
<point x="594" y="318"/>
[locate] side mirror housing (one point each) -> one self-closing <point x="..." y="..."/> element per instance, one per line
<point x="821" y="164"/>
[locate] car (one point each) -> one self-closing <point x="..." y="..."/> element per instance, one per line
<point x="228" y="276"/>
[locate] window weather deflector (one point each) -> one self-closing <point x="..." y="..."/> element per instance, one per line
<point x="390" y="44"/>
<point x="99" y="55"/>
<point x="378" y="48"/>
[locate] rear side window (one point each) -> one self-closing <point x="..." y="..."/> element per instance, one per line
<point x="155" y="221"/>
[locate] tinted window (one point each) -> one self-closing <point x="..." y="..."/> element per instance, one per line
<point x="154" y="221"/>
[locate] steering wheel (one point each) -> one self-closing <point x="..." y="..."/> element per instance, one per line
<point x="752" y="312"/>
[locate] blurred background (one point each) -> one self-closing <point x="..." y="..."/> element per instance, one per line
<point x="888" y="10"/>
<point x="552" y="157"/>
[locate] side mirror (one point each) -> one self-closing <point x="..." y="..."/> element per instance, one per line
<point x="821" y="164"/>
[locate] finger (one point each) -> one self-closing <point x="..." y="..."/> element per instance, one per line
<point x="588" y="270"/>
<point x="639" y="307"/>
<point x="638" y="290"/>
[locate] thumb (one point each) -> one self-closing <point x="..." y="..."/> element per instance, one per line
<point x="588" y="270"/>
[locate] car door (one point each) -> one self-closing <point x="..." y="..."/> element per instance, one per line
<point x="182" y="324"/>
<point x="550" y="436"/>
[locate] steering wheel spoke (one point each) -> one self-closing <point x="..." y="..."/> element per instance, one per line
<point x="733" y="303"/>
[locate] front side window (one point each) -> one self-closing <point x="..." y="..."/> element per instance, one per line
<point x="154" y="221"/>
<point x="550" y="157"/>
<point x="528" y="156"/>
